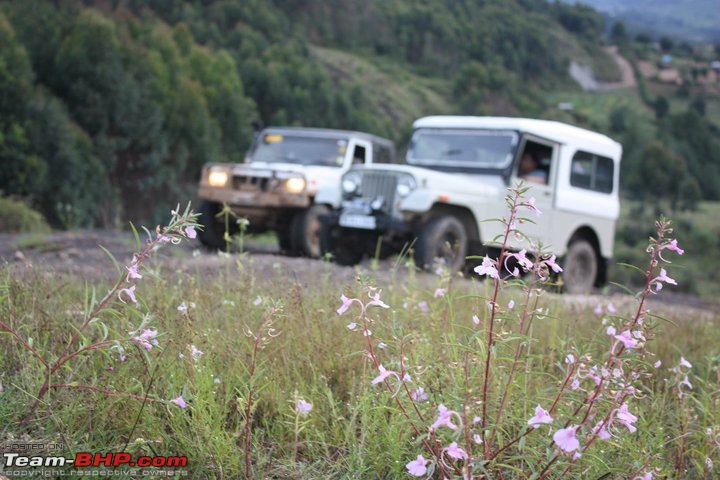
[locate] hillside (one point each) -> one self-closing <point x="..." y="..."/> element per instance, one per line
<point x="695" y="20"/>
<point x="125" y="100"/>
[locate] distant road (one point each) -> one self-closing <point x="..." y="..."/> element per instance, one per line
<point x="586" y="78"/>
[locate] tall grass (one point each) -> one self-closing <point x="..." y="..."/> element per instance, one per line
<point x="306" y="350"/>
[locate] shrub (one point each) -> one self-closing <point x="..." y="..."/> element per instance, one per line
<point x="16" y="217"/>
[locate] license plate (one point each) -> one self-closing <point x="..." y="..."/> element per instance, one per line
<point x="351" y="220"/>
<point x="244" y="198"/>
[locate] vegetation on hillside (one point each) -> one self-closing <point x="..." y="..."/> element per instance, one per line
<point x="108" y="109"/>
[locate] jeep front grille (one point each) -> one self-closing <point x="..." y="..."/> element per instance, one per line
<point x="376" y="185"/>
<point x="245" y="182"/>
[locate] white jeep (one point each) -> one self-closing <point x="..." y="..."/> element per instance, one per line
<point x="457" y="174"/>
<point x="276" y="186"/>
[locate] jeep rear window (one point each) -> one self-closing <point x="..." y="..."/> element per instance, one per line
<point x="491" y="149"/>
<point x="592" y="172"/>
<point x="278" y="148"/>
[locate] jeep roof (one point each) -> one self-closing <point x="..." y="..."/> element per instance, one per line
<point x="329" y="133"/>
<point x="548" y="129"/>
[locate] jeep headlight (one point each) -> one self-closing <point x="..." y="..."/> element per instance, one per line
<point x="351" y="182"/>
<point x="405" y="185"/>
<point x="295" y="184"/>
<point x="217" y="177"/>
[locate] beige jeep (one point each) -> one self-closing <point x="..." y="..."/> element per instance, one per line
<point x="274" y="190"/>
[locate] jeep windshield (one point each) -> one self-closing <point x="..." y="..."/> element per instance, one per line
<point x="300" y="150"/>
<point x="482" y="151"/>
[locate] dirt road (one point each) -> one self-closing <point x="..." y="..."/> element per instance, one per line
<point x="79" y="253"/>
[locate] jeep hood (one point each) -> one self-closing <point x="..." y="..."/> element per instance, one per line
<point x="316" y="176"/>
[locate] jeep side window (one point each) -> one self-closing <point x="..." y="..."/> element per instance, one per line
<point x="535" y="163"/>
<point x="358" y="155"/>
<point x="592" y="172"/>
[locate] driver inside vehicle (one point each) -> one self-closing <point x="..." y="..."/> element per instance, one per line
<point x="530" y="170"/>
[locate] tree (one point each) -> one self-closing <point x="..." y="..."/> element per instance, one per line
<point x="663" y="171"/>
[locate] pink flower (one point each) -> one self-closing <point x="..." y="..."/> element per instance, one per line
<point x="302" y="407"/>
<point x="599" y="309"/>
<point x="456" y="452"/>
<point x="647" y="476"/>
<point x="132" y="272"/>
<point x="146" y="338"/>
<point x="195" y="353"/>
<point x="190" y="232"/>
<point x="657" y="364"/>
<point x="476" y="320"/>
<point x="346" y="302"/>
<point x="601" y="431"/>
<point x="530" y="204"/>
<point x="674" y="247"/>
<point x="488" y="268"/>
<point x="663" y="278"/>
<point x="440" y="292"/>
<point x="419" y="395"/>
<point x="511" y="304"/>
<point x="376" y="301"/>
<point x="423" y="306"/>
<point x="383" y="375"/>
<point x="685" y="363"/>
<point x="524" y="262"/>
<point x="130" y="292"/>
<point x="611" y="308"/>
<point x="627" y="339"/>
<point x="352" y="326"/>
<point x="445" y="418"/>
<point x="550" y="262"/>
<point x="626" y="418"/>
<point x="541" y="416"/>
<point x="417" y="467"/>
<point x="179" y="401"/>
<point x="565" y="439"/>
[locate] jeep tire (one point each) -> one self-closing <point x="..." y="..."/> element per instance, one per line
<point x="445" y="238"/>
<point x="305" y="232"/>
<point x="580" y="267"/>
<point x="212" y="233"/>
<point x="336" y="242"/>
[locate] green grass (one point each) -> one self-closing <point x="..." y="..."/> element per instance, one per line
<point x="594" y="108"/>
<point x="698" y="271"/>
<point x="404" y="97"/>
<point x="354" y="430"/>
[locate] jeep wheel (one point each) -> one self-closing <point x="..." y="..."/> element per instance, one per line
<point x="212" y="233"/>
<point x="580" y="267"/>
<point x="444" y="238"/>
<point x="343" y="249"/>
<point x="305" y="231"/>
<point x="283" y="238"/>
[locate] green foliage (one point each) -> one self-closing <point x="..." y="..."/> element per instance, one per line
<point x="354" y="429"/>
<point x="16" y="217"/>
<point x="125" y="101"/>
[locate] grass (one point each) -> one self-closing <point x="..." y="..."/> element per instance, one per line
<point x="698" y="271"/>
<point x="405" y="96"/>
<point x="355" y="429"/>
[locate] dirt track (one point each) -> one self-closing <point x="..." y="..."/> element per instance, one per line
<point x="78" y="253"/>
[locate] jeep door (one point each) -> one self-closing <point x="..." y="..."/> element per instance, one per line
<point x="536" y="166"/>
